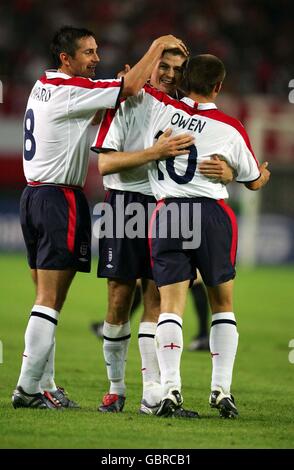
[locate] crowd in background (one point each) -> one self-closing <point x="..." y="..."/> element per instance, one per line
<point x="254" y="38"/>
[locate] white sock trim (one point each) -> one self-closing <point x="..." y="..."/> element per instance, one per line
<point x="223" y="316"/>
<point x="147" y="327"/>
<point x="115" y="331"/>
<point x="46" y="310"/>
<point x="170" y="316"/>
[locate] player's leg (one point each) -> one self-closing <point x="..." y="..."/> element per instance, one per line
<point x="152" y="390"/>
<point x="173" y="272"/>
<point x="201" y="340"/>
<point x="122" y="261"/>
<point x="57" y="230"/>
<point x="223" y="346"/>
<point x="169" y="344"/>
<point x="137" y="299"/>
<point x="216" y="261"/>
<point x="169" y="336"/>
<point x="37" y="370"/>
<point x="34" y="277"/>
<point x="53" y="286"/>
<point x="97" y="327"/>
<point x="78" y="257"/>
<point x="117" y="334"/>
<point x="52" y="289"/>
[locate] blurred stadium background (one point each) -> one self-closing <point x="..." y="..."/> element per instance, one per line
<point x="254" y="39"/>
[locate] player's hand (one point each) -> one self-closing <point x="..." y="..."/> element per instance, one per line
<point x="264" y="173"/>
<point x="262" y="180"/>
<point x="217" y="168"/>
<point x="123" y="72"/>
<point x="171" y="42"/>
<point x="168" y="146"/>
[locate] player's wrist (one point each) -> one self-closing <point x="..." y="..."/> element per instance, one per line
<point x="151" y="154"/>
<point x="157" y="47"/>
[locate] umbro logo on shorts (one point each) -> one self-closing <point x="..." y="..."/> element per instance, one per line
<point x="84" y="249"/>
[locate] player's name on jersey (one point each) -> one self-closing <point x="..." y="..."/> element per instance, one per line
<point x="41" y="94"/>
<point x="189" y="123"/>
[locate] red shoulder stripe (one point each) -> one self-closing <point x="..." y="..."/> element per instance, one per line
<point x="80" y="82"/>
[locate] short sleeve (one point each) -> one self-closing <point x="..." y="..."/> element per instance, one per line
<point x="112" y="131"/>
<point x="87" y="96"/>
<point x="244" y="161"/>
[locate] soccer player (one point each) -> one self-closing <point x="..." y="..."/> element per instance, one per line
<point x="54" y="213"/>
<point x="178" y="184"/>
<point x="130" y="258"/>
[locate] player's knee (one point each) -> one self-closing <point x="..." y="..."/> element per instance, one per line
<point x="120" y="300"/>
<point x="118" y="312"/>
<point x="51" y="299"/>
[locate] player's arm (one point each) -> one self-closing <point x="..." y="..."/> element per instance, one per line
<point x="166" y="146"/>
<point x="136" y="77"/>
<point x="262" y="180"/>
<point x="249" y="172"/>
<point x="217" y="168"/>
<point x="98" y="118"/>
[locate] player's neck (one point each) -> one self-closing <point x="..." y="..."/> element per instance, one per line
<point x="201" y="98"/>
<point x="65" y="70"/>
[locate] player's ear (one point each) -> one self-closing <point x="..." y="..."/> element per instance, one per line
<point x="218" y="87"/>
<point x="64" y="58"/>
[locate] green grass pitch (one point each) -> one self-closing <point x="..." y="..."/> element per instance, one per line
<point x="262" y="385"/>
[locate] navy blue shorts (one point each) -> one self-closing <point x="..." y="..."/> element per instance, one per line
<point x="56" y="226"/>
<point x="126" y="258"/>
<point x="215" y="255"/>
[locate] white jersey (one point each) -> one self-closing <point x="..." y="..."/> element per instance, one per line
<point x="120" y="132"/>
<point x="214" y="132"/>
<point x="59" y="111"/>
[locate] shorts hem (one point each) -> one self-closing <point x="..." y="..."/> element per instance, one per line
<point x="162" y="284"/>
<point x="226" y="279"/>
<point x="122" y="277"/>
<point x="63" y="268"/>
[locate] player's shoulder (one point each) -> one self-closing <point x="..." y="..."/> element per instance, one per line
<point x="231" y="121"/>
<point x="233" y="124"/>
<point x="61" y="79"/>
<point x="225" y="118"/>
<point x="158" y="95"/>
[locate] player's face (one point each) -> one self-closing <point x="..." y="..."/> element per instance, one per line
<point x="168" y="72"/>
<point x="84" y="62"/>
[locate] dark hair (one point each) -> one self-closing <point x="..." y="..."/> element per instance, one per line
<point x="174" y="51"/>
<point x="202" y="73"/>
<point x="65" y="40"/>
